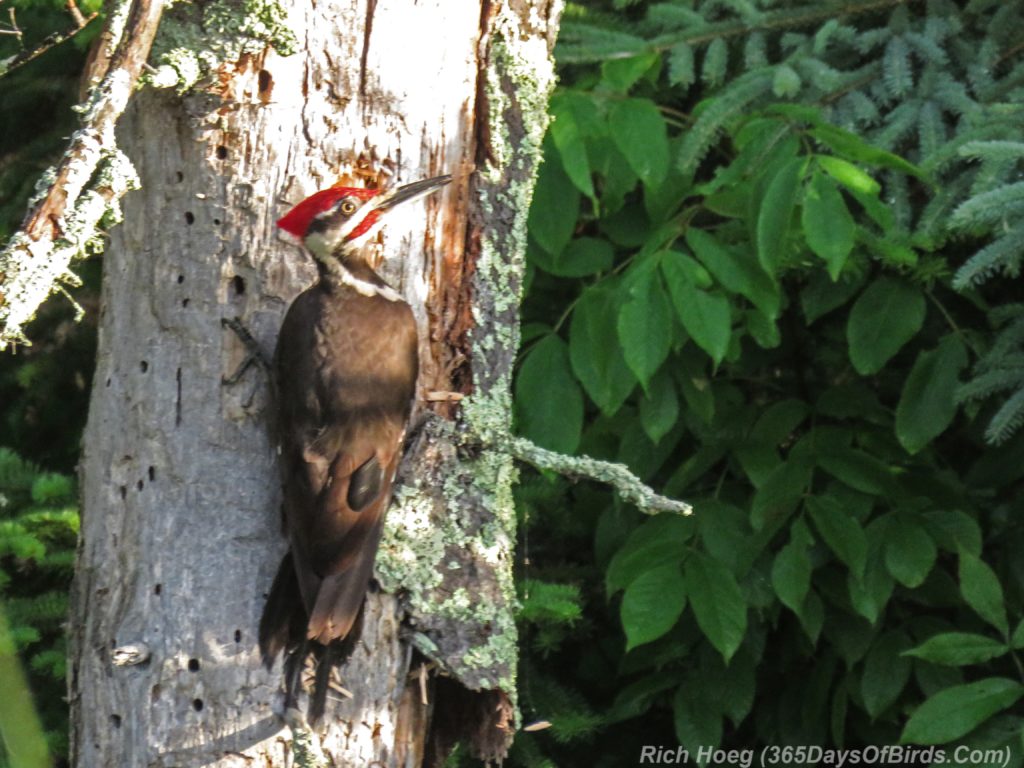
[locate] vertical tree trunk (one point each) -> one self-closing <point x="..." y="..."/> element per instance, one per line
<point x="180" y="533"/>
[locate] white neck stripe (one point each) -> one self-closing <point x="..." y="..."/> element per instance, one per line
<point x="362" y="287"/>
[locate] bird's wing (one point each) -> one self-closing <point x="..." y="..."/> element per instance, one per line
<point x="338" y="463"/>
<point x="339" y="533"/>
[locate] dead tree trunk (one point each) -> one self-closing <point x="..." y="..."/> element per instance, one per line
<point x="180" y="531"/>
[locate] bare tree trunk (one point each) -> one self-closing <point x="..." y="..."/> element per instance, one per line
<point x="180" y="532"/>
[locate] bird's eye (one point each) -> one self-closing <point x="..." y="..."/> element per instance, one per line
<point x="348" y="207"/>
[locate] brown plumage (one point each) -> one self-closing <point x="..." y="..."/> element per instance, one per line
<point x="345" y="370"/>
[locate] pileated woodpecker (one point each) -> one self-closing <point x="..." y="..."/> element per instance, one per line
<point x="345" y="370"/>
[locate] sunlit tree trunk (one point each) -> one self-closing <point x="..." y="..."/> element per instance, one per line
<point x="180" y="530"/>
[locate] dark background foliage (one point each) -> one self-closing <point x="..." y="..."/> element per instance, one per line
<point x="773" y="268"/>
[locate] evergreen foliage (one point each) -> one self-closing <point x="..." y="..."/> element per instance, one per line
<point x="768" y="242"/>
<point x="38" y="532"/>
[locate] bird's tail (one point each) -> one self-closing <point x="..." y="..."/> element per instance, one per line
<point x="283" y="623"/>
<point x="283" y="627"/>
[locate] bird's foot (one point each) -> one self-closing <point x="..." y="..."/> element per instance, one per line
<point x="254" y="354"/>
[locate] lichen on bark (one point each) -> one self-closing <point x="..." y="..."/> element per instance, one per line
<point x="196" y="38"/>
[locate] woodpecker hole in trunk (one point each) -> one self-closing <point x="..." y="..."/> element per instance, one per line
<point x="266" y="81"/>
<point x="189" y="218"/>
<point x="197" y="705"/>
<point x="238" y="285"/>
<point x="193" y="665"/>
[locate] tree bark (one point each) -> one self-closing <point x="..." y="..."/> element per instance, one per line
<point x="181" y="531"/>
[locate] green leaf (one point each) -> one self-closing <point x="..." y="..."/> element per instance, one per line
<point x="871" y="594"/>
<point x="840" y="531"/>
<point x="717" y="603"/>
<point x="885" y="317"/>
<point x="737" y="271"/>
<point x="791" y="574"/>
<point x="909" y="551"/>
<point x="821" y="295"/>
<point x="828" y="225"/>
<point x="555" y="206"/>
<point x="886" y="672"/>
<point x="775" y="216"/>
<point x="659" y="407"/>
<point x="780" y="493"/>
<point x="639" y="132"/>
<point x="705" y="315"/>
<point x="549" y="404"/>
<point x="981" y="589"/>
<point x="660" y="540"/>
<point x="857" y="469"/>
<point x="598" y="364"/>
<point x="928" y="403"/>
<point x="849" y="175"/>
<point x="565" y="133"/>
<point x="645" y="326"/>
<point x="697" y="725"/>
<point x="778" y="421"/>
<point x="957" y="649"/>
<point x="652" y="604"/>
<point x="956" y="711"/>
<point x="953" y="530"/>
<point x="854" y="147"/>
<point x="583" y="256"/>
<point x="763" y="330"/>
<point x="622" y="73"/>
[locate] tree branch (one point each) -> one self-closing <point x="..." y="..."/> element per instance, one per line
<point x="85" y="185"/>
<point x="21" y="58"/>
<point x="618" y="476"/>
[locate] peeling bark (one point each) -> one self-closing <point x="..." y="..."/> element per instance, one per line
<point x="180" y="532"/>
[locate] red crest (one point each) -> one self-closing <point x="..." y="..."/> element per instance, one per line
<point x="297" y="220"/>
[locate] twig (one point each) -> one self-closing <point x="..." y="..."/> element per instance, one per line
<point x="24" y="57"/>
<point x="76" y="14"/>
<point x="81" y="188"/>
<point x="618" y="476"/>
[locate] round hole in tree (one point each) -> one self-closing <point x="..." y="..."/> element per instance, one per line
<point x="193" y="665"/>
<point x="140" y="485"/>
<point x="238" y="285"/>
<point x="179" y="176"/>
<point x="152" y="474"/>
<point x="266" y="80"/>
<point x="157" y="589"/>
<point x="238" y="635"/>
<point x="197" y="705"/>
<point x="181" y="279"/>
<point x="222" y="152"/>
<point x="189" y="217"/>
<point x="143" y="366"/>
<point x="115" y="720"/>
<point x="184" y="302"/>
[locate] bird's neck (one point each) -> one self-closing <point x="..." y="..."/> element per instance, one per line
<point x="346" y="272"/>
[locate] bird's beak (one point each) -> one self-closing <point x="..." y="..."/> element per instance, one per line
<point x="409" y="192"/>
